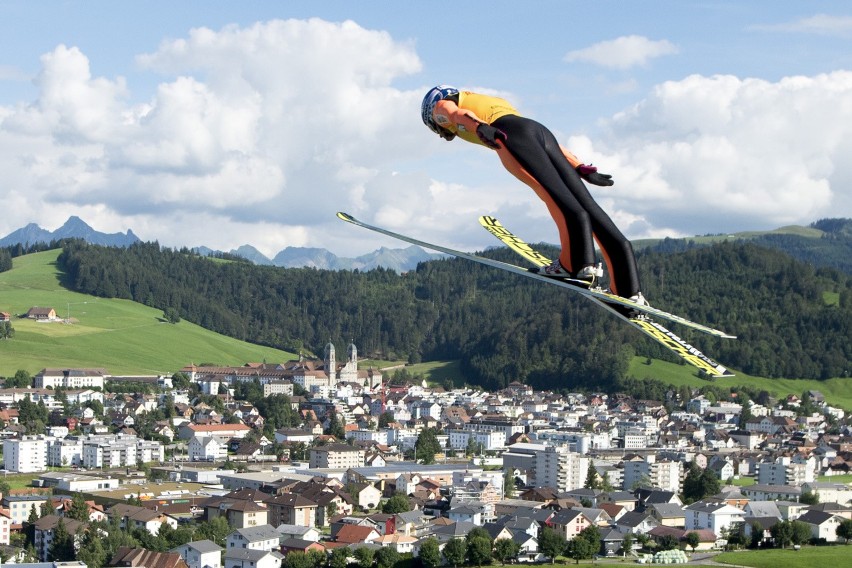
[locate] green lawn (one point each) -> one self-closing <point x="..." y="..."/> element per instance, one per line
<point x="847" y="479"/>
<point x="119" y="335"/>
<point x="743" y="481"/>
<point x="807" y="557"/>
<point x="19" y="481"/>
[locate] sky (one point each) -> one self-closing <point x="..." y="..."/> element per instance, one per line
<point x="222" y="123"/>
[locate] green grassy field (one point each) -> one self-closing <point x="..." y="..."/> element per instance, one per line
<point x="798" y="230"/>
<point x="119" y="335"/>
<point x="806" y="557"/>
<point x="836" y="391"/>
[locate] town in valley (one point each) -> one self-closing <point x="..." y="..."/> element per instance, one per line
<point x="322" y="461"/>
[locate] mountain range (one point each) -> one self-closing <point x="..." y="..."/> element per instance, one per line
<point x="399" y="260"/>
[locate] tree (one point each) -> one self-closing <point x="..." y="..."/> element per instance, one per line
<point x="79" y="509"/>
<point x="397" y="503"/>
<point x="627" y="544"/>
<point x="317" y="558"/>
<point x="844" y="530"/>
<point x="699" y="483"/>
<point x="801" y="532"/>
<point x="585" y="544"/>
<point x="216" y="530"/>
<point x="92" y="550"/>
<point x="782" y="533"/>
<point x="171" y="315"/>
<point x="579" y="549"/>
<point x="336" y="427"/>
<point x="385" y="419"/>
<point x="693" y="540"/>
<point x="338" y="558"/>
<point x="509" y="483"/>
<point x="62" y="545"/>
<point x="297" y="559"/>
<point x="470" y="449"/>
<point x="6" y="330"/>
<point x="330" y="511"/>
<point x="756" y="535"/>
<point x="593" y="481"/>
<point x="809" y="498"/>
<point x="667" y="542"/>
<point x="427" y="445"/>
<point x="455" y="551"/>
<point x="430" y="553"/>
<point x="386" y="557"/>
<point x="364" y="557"/>
<point x="551" y="543"/>
<point x="506" y="549"/>
<point x="479" y="549"/>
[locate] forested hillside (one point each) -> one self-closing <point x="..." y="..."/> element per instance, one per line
<point x="792" y="320"/>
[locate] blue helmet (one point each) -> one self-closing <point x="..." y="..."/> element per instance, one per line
<point x="427" y="106"/>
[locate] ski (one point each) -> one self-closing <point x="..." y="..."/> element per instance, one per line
<point x="493" y="226"/>
<point x="650" y="328"/>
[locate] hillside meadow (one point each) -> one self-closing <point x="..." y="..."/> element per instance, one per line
<point x="836" y="391"/>
<point x="120" y="336"/>
<point x="125" y="337"/>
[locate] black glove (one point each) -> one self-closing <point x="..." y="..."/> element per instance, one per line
<point x="591" y="175"/>
<point x="489" y="135"/>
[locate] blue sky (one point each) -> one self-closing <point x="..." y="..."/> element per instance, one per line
<point x="230" y="123"/>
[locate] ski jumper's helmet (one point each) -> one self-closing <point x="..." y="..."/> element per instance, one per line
<point x="432" y="97"/>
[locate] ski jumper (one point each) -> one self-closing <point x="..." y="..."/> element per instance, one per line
<point x="532" y="154"/>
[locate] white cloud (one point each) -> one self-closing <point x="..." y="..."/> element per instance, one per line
<point x="259" y="134"/>
<point x="274" y="124"/>
<point x="623" y="52"/>
<point x="716" y="150"/>
<point x="820" y="24"/>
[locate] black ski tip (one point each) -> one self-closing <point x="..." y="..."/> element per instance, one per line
<point x="345" y="216"/>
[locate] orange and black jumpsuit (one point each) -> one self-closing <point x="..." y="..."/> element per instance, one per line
<point x="533" y="155"/>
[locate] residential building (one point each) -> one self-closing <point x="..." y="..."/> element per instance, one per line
<point x="291" y="509"/>
<point x="20" y="506"/>
<point x="558" y="468"/>
<point x="25" y="455"/>
<point x="262" y="537"/>
<point x="44" y="531"/>
<point x="65" y="452"/>
<point x="829" y="492"/>
<point x="207" y="448"/>
<point x="783" y="471"/>
<point x="648" y="470"/>
<point x="200" y="554"/>
<point x="569" y="523"/>
<point x="336" y="456"/>
<point x="126" y="557"/>
<point x="5" y="526"/>
<point x="225" y="431"/>
<point x="823" y="525"/>
<point x="247" y="558"/>
<point x="133" y="517"/>
<point x="714" y="515"/>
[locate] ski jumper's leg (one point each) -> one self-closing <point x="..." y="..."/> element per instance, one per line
<point x="525" y="156"/>
<point x="542" y="158"/>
